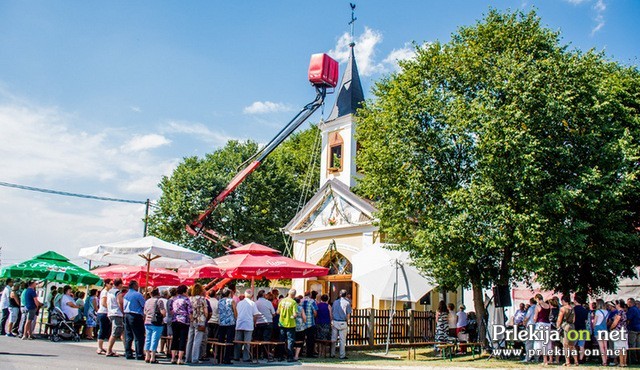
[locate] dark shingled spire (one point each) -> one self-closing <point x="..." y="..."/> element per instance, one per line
<point x="350" y="96"/>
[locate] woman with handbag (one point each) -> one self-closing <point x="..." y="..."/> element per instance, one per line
<point x="197" y="325"/>
<point x="154" y="313"/>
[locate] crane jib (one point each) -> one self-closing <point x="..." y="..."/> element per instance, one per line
<point x="197" y="225"/>
<point x="323" y="74"/>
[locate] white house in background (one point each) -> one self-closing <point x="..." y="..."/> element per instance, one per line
<point x="335" y="223"/>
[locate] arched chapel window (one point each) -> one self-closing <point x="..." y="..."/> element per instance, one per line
<point x="336" y="147"/>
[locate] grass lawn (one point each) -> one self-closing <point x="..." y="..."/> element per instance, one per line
<point x="425" y="357"/>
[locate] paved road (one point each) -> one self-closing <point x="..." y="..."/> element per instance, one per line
<point x="43" y="354"/>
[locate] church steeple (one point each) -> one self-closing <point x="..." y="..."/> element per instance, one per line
<point x="350" y="96"/>
<point x="338" y="139"/>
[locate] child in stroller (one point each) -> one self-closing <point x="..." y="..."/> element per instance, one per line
<point x="61" y="327"/>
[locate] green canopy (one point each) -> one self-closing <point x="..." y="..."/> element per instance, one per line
<point x="51" y="266"/>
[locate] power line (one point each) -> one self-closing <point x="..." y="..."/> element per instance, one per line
<point x="56" y="192"/>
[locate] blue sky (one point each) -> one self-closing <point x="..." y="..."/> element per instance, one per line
<point x="106" y="97"/>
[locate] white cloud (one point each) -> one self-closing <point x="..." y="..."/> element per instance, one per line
<point x="600" y="8"/>
<point x="408" y="51"/>
<point x="147" y="182"/>
<point x="38" y="143"/>
<point x="33" y="223"/>
<point x="145" y="142"/>
<point x="43" y="147"/>
<point x="262" y="107"/>
<point x="198" y="130"/>
<point x="136" y="109"/>
<point x="365" y="50"/>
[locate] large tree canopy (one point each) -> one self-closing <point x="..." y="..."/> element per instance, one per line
<point x="259" y="207"/>
<point x="503" y="155"/>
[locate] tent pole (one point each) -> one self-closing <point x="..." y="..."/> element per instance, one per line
<point x="146" y="280"/>
<point x="253" y="288"/>
<point x="393" y="308"/>
<point x="46" y="289"/>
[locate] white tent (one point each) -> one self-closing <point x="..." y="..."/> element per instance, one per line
<point x="389" y="275"/>
<point x="147" y="251"/>
<point x="378" y="270"/>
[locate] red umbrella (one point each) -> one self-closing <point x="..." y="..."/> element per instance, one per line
<point x="247" y="266"/>
<point x="253" y="261"/>
<point x="254" y="248"/>
<point x="157" y="276"/>
<point x="206" y="271"/>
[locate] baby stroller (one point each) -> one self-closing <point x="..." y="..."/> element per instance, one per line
<point x="61" y="327"/>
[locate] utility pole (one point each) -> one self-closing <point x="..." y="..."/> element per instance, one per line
<point x="146" y="217"/>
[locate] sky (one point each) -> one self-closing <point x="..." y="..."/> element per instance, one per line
<point x="105" y="98"/>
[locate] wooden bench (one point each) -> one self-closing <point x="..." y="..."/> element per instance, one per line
<point x="219" y="351"/>
<point x="475" y="347"/>
<point x="268" y="347"/>
<point x="447" y="349"/>
<point x="413" y="346"/>
<point x="244" y="343"/>
<point x="166" y="340"/>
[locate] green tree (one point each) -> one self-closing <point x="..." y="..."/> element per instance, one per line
<point x="502" y="156"/>
<point x="259" y="207"/>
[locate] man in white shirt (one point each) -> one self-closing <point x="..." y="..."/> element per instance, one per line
<point x="247" y="315"/>
<point x="115" y="314"/>
<point x="4" y="304"/>
<point x="68" y="303"/>
<point x="214" y="320"/>
<point x="264" y="323"/>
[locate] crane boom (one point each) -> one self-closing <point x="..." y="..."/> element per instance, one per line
<point x="323" y="73"/>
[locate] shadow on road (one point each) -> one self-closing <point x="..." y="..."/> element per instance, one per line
<point x="26" y="354"/>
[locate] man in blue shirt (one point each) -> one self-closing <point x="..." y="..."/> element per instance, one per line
<point x="633" y="327"/>
<point x="133" y="307"/>
<point x="311" y="311"/>
<point x="340" y="312"/>
<point x="30" y="305"/>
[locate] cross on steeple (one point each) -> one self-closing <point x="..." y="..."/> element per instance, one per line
<point x="352" y="23"/>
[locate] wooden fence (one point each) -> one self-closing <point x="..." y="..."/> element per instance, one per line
<point x="369" y="327"/>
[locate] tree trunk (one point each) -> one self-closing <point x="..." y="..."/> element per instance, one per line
<point x="478" y="305"/>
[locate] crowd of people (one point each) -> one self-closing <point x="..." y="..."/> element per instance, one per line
<point x="194" y="318"/>
<point x="454" y="323"/>
<point x="619" y="318"/>
<point x="20" y="305"/>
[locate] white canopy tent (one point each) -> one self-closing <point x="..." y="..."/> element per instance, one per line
<point x="145" y="251"/>
<point x="389" y="275"/>
<point x="379" y="270"/>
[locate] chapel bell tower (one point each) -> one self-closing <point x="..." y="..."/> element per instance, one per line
<point x="339" y="146"/>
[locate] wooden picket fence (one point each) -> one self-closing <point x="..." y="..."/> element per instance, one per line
<point x="369" y="327"/>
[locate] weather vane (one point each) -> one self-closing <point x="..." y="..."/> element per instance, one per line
<point x="353" y="21"/>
